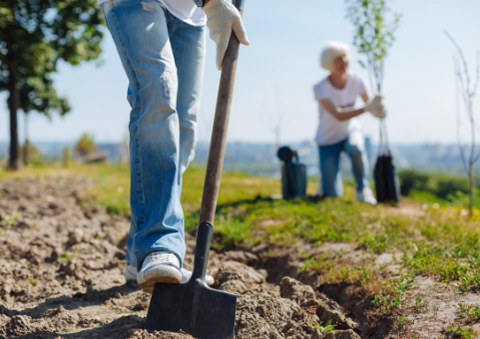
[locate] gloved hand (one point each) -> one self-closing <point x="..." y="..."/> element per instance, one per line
<point x="375" y="104"/>
<point x="377" y="107"/>
<point x="379" y="113"/>
<point x="222" y="18"/>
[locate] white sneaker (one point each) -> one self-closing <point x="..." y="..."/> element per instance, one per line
<point x="366" y="196"/>
<point x="160" y="266"/>
<point x="131" y="275"/>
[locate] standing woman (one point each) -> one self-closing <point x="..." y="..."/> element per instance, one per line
<point x="339" y="130"/>
<point x="162" y="48"/>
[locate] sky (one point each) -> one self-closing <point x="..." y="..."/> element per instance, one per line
<point x="276" y="75"/>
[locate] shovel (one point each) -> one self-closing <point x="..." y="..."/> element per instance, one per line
<point x="194" y="307"/>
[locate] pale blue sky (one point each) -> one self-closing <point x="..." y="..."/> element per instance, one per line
<point x="286" y="39"/>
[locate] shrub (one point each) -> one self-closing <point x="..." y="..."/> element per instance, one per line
<point x="85" y="146"/>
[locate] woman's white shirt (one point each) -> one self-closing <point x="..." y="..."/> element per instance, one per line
<point x="330" y="130"/>
<point x="185" y="10"/>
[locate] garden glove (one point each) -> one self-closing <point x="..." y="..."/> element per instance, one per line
<point x="222" y="18"/>
<point x="375" y="106"/>
<point x="379" y="113"/>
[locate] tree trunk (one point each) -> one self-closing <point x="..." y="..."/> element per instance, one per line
<point x="26" y="146"/>
<point x="13" y="104"/>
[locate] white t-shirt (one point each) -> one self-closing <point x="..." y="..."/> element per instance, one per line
<point x="330" y="130"/>
<point x="185" y="10"/>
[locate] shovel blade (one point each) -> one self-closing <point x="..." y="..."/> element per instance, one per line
<point x="195" y="308"/>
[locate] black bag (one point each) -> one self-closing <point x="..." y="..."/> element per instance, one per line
<point x="294" y="174"/>
<point x="386" y="180"/>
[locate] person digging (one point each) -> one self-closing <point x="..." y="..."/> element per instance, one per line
<point x="161" y="45"/>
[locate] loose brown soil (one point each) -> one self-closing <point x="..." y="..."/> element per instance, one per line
<point x="61" y="276"/>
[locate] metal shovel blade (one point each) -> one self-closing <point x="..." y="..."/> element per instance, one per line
<point x="193" y="307"/>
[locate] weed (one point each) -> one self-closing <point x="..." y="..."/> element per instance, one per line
<point x="386" y="301"/>
<point x="66" y="258"/>
<point x="377" y="243"/>
<point x="392" y="292"/>
<point x="401" y="322"/>
<point x="450" y="264"/>
<point x="328" y="327"/>
<point x="33" y="281"/>
<point x="321" y="264"/>
<point x="10" y="220"/>
<point x="418" y="302"/>
<point x="460" y="331"/>
<point x="469" y="311"/>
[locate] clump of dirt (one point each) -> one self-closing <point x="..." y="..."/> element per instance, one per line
<point x="62" y="264"/>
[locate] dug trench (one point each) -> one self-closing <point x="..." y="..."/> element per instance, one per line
<point x="61" y="276"/>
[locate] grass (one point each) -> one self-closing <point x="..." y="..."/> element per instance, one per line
<point x="327" y="327"/>
<point x="435" y="239"/>
<point x="66" y="258"/>
<point x="456" y="330"/>
<point x="470" y="312"/>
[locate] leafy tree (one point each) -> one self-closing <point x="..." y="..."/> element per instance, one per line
<point x="85" y="145"/>
<point x="34" y="36"/>
<point x="373" y="35"/>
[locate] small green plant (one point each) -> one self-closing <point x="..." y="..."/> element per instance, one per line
<point x="66" y="258"/>
<point x="392" y="292"/>
<point x="400" y="322"/>
<point x="328" y="327"/>
<point x="377" y="243"/>
<point x="460" y="331"/>
<point x="33" y="281"/>
<point x="10" y="219"/>
<point x="387" y="301"/>
<point x="418" y="302"/>
<point x="469" y="311"/>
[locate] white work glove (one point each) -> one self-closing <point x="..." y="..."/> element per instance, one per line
<point x="222" y="18"/>
<point x="379" y="113"/>
<point x="377" y="107"/>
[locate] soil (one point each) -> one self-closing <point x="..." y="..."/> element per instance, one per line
<point x="61" y="276"/>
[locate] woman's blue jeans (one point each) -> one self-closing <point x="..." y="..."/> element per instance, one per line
<point x="163" y="58"/>
<point x="354" y="146"/>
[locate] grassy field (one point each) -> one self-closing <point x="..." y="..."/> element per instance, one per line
<point x="424" y="237"/>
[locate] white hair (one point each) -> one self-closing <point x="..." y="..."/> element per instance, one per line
<point x="332" y="50"/>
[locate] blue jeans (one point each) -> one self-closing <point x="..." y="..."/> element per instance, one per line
<point x="163" y="58"/>
<point x="332" y="184"/>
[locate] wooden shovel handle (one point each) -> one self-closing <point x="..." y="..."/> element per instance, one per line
<point x="218" y="140"/>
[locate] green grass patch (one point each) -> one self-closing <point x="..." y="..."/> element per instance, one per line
<point x="470" y="312"/>
<point x="455" y="330"/>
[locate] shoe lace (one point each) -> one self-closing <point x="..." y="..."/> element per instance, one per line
<point x="169" y="258"/>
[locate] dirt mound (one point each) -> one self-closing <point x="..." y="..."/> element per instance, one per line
<point x="61" y="275"/>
